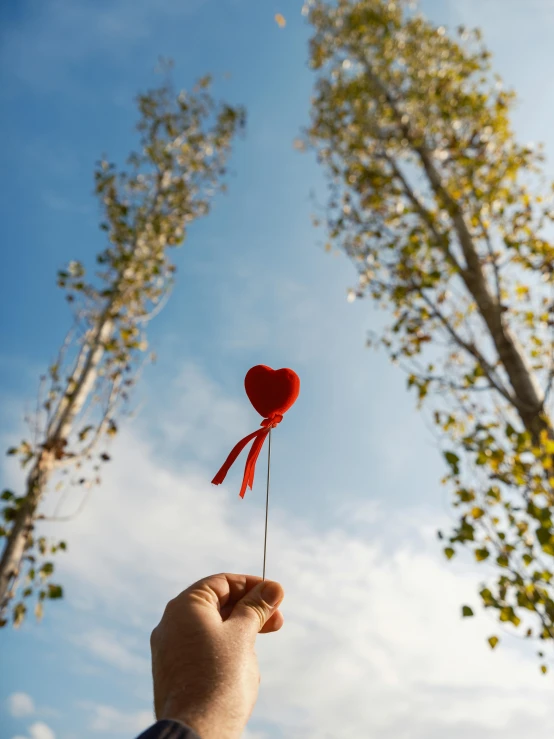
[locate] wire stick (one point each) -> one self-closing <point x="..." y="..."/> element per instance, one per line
<point x="267" y="497"/>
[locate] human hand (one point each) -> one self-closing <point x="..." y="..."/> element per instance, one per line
<point x="204" y="665"/>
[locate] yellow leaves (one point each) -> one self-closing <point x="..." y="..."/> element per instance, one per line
<point x="547" y="444"/>
<point x="486" y="595"/>
<point x="280" y="20"/>
<point x="507" y="615"/>
<point x="347" y="113"/>
<point x="496" y="460"/>
<point x="522" y="292"/>
<point x="481" y="554"/>
<point x="529" y="591"/>
<point x="493" y="641"/>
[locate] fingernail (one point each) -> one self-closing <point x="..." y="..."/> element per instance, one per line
<point x="272" y="593"/>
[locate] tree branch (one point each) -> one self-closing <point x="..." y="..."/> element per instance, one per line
<point x="487" y="368"/>
<point x="527" y="396"/>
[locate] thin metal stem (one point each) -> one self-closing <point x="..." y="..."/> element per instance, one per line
<point x="267" y="497"/>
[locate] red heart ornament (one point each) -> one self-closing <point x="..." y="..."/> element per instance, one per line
<point x="270" y="391"/>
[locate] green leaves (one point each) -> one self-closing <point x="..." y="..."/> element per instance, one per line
<point x="453" y="460"/>
<point x="481" y="554"/>
<point x="465" y="532"/>
<point x="546" y="539"/>
<point x="19" y="611"/>
<point x="46" y="570"/>
<point x="37" y="585"/>
<point x="25" y="451"/>
<point x="467" y="612"/>
<point x="54" y="592"/>
<point x="488" y="599"/>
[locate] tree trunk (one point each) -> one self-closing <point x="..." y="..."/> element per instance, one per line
<point x="23" y="525"/>
<point x="82" y="383"/>
<point x="82" y="380"/>
<point x="528" y="396"/>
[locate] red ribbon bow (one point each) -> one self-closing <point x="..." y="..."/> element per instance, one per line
<point x="271" y="392"/>
<point x="250" y="466"/>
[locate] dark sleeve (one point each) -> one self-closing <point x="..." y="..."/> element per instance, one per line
<point x="169" y="730"/>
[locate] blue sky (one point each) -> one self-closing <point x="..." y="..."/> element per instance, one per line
<point x="373" y="644"/>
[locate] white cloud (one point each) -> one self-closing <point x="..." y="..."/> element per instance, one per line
<point x="109" y="719"/>
<point x="112" y="649"/>
<point x="373" y="642"/>
<point x="20" y="704"/>
<point x="38" y="730"/>
<point x="198" y="417"/>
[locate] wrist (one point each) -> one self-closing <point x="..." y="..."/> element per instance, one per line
<point x="208" y="723"/>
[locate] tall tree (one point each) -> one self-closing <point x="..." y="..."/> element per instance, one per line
<point x="446" y="217"/>
<point x="185" y="140"/>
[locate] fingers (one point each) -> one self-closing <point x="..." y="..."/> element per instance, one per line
<point x="226" y="592"/>
<point x="255" y="608"/>
<point x="273" y="623"/>
<point x="226" y="587"/>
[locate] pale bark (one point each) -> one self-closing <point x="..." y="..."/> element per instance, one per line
<point x="527" y="396"/>
<point x="80" y="385"/>
<point x="23" y="524"/>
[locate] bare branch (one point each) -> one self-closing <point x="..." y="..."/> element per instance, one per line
<point x="471" y="349"/>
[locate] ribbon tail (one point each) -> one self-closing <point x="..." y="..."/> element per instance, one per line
<point x="235" y="451"/>
<point x="250" y="466"/>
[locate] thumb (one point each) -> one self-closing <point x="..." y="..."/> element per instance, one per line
<point x="254" y="609"/>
